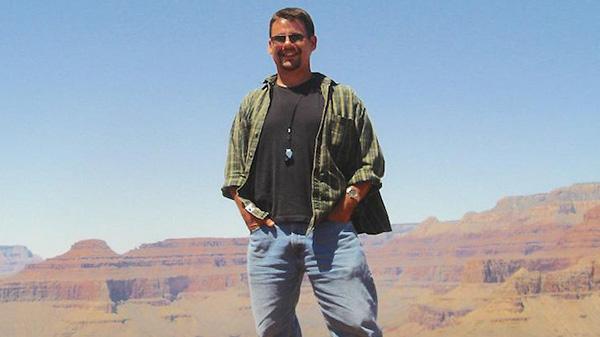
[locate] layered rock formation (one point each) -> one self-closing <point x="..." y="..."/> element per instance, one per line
<point x="543" y="232"/>
<point x="493" y="268"/>
<point x="578" y="280"/>
<point x="14" y="258"/>
<point x="90" y="270"/>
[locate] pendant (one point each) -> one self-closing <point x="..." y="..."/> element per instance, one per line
<point x="288" y="154"/>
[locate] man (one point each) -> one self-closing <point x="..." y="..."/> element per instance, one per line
<point x="304" y="168"/>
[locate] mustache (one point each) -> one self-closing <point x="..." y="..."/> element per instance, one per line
<point x="290" y="48"/>
<point x="287" y="51"/>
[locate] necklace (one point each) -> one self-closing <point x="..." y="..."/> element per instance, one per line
<point x="289" y="153"/>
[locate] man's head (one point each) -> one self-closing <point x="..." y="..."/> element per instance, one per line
<point x="291" y="40"/>
<point x="297" y="14"/>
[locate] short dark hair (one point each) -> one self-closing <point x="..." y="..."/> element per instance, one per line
<point x="292" y="13"/>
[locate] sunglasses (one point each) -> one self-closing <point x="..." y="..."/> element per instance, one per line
<point x="280" y="39"/>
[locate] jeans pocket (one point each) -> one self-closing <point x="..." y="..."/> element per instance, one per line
<point x="349" y="227"/>
<point x="255" y="230"/>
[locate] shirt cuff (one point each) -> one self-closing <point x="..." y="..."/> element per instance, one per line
<point x="251" y="208"/>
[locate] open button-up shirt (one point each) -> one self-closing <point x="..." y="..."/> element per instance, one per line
<point x="346" y="152"/>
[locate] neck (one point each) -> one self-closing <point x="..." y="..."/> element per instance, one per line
<point x="292" y="79"/>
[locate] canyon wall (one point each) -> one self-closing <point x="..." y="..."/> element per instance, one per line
<point x="14" y="258"/>
<point x="438" y="277"/>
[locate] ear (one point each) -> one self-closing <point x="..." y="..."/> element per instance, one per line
<point x="270" y="47"/>
<point x="313" y="41"/>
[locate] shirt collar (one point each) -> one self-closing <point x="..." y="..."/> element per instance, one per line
<point x="270" y="80"/>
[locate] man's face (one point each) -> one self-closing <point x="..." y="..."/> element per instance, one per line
<point x="288" y="51"/>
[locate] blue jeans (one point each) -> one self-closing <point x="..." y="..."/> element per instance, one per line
<point x="336" y="266"/>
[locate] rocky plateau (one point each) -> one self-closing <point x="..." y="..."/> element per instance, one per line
<point x="494" y="273"/>
<point x="14" y="258"/>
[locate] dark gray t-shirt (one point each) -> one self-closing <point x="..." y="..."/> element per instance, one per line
<point x="284" y="189"/>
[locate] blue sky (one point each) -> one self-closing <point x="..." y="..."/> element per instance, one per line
<point x="114" y="115"/>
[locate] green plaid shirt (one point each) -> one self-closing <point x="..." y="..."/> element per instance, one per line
<point x="346" y="152"/>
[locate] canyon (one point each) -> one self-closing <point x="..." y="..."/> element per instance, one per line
<point x="526" y="267"/>
<point x="14" y="258"/>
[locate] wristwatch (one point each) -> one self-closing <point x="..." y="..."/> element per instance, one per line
<point x="352" y="192"/>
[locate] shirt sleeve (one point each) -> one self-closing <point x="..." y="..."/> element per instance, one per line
<point x="236" y="150"/>
<point x="235" y="164"/>
<point x="372" y="164"/>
